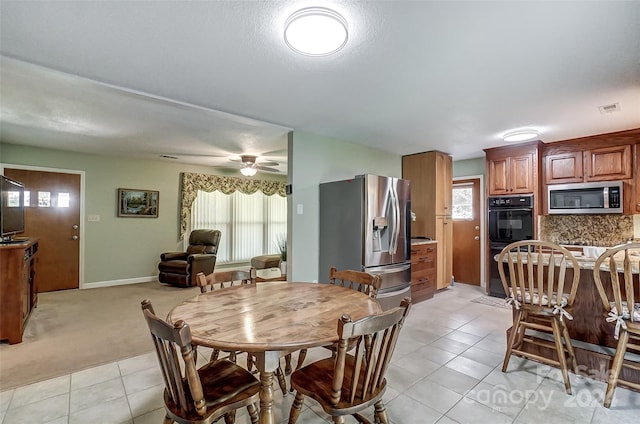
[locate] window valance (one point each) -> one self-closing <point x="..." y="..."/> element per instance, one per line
<point x="191" y="183"/>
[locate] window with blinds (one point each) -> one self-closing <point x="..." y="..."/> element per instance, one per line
<point x="251" y="224"/>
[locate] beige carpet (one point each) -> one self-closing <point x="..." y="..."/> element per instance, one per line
<point x="73" y="330"/>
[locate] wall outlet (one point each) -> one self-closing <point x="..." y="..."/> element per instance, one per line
<point x="299" y="209"/>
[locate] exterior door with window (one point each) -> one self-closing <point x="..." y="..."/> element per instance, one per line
<point x="466" y="231"/>
<point x="53" y="216"/>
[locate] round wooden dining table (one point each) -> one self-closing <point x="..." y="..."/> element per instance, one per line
<point x="270" y="320"/>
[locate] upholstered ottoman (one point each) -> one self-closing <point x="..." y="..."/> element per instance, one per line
<point x="265" y="261"/>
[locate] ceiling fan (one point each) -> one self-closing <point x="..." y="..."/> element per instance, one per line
<point x="250" y="165"/>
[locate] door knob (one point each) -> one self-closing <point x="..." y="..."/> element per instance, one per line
<point x="477" y="227"/>
<point x="75" y="226"/>
<point x="74" y="238"/>
<point x="476" y="238"/>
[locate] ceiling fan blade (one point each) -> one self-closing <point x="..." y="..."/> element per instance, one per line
<point x="257" y="161"/>
<point x="266" y="168"/>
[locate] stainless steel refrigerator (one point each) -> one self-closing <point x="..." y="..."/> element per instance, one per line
<point x="365" y="226"/>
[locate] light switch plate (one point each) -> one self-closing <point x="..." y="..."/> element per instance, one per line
<point x="93" y="218"/>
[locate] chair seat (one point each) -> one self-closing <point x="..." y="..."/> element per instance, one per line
<point x="535" y="300"/>
<point x="312" y="381"/>
<point x="174" y="267"/>
<point x="223" y="380"/>
<point x="625" y="311"/>
<point x="224" y="384"/>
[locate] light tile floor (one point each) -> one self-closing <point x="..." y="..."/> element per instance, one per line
<point x="446" y="369"/>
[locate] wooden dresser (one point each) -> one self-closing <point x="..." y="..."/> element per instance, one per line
<point x="424" y="255"/>
<point x="18" y="289"/>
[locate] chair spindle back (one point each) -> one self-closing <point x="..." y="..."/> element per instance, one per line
<point x="539" y="269"/>
<point x="367" y="365"/>
<point x="167" y="341"/>
<point x="363" y="282"/>
<point x="222" y="279"/>
<point x="622" y="300"/>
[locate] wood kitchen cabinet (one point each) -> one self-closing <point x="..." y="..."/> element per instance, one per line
<point x="598" y="164"/>
<point x="513" y="169"/>
<point x="636" y="184"/>
<point x="18" y="289"/>
<point x="430" y="174"/>
<point x="424" y="256"/>
<point x="608" y="163"/>
<point x="444" y="231"/>
<point x="563" y="168"/>
<point x="602" y="157"/>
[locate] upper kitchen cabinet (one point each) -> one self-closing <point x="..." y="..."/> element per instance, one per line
<point x="597" y="164"/>
<point x="513" y="169"/>
<point x="608" y="163"/>
<point x="563" y="168"/>
<point x="430" y="174"/>
<point x="602" y="157"/>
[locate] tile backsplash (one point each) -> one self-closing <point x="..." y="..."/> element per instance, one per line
<point x="591" y="230"/>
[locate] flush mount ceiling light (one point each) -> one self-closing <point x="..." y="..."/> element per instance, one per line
<point x="248" y="170"/>
<point x="316" y="31"/>
<point x="521" y="135"/>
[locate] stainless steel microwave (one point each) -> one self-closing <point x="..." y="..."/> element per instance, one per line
<point x="585" y="198"/>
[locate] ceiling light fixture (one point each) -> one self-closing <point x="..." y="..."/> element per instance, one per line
<point x="248" y="170"/>
<point x="521" y="135"/>
<point x="316" y="31"/>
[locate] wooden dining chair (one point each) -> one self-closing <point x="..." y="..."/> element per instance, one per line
<point x="220" y="280"/>
<point x="198" y="396"/>
<point x="363" y="282"/>
<point x="619" y="289"/>
<point x="355" y="379"/>
<point x="541" y="286"/>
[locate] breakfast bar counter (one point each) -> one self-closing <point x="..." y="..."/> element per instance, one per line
<point x="592" y="337"/>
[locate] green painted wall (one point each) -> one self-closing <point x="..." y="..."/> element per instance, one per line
<point x="119" y="248"/>
<point x="315" y="159"/>
<point x="467" y="167"/>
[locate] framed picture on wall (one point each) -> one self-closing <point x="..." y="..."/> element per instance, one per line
<point x="138" y="203"/>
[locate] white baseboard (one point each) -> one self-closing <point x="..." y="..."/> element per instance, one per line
<point x="98" y="284"/>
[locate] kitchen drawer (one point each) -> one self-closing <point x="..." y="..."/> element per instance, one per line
<point x="423" y="271"/>
<point x="424" y="258"/>
<point x="423" y="284"/>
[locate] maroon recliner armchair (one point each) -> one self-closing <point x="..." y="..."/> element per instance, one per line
<point x="180" y="268"/>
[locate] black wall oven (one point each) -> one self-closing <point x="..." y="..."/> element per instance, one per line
<point x="510" y="219"/>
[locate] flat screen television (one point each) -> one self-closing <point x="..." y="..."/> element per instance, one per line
<point x="11" y="209"/>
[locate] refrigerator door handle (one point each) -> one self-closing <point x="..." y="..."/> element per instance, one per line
<point x="388" y="268"/>
<point x="393" y="243"/>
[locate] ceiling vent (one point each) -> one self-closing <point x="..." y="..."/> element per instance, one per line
<point x="613" y="107"/>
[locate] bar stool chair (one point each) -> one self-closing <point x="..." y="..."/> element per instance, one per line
<point x="620" y="295"/>
<point x="535" y="288"/>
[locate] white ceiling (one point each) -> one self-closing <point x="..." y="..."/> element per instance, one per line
<point x="215" y="78"/>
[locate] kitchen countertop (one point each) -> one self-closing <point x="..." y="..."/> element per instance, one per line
<point x="415" y="241"/>
<point x="586" y="262"/>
